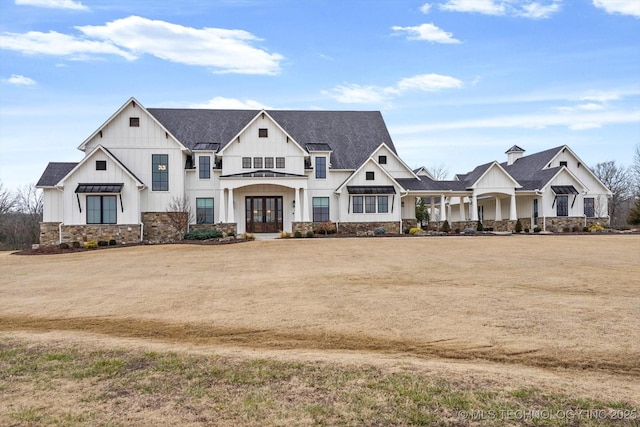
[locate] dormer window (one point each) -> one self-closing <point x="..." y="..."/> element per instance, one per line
<point x="263" y="133"/>
<point x="370" y="176"/>
<point x="134" y="122"/>
<point x="101" y="165"/>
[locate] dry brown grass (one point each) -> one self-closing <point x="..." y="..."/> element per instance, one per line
<point x="553" y="311"/>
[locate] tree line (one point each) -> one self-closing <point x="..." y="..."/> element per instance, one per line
<point x="20" y="216"/>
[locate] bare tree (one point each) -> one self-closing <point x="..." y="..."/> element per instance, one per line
<point x="617" y="179"/>
<point x="180" y="214"/>
<point x="439" y="172"/>
<point x="7" y="200"/>
<point x="635" y="171"/>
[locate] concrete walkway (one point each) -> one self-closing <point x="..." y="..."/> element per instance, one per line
<point x="266" y="236"/>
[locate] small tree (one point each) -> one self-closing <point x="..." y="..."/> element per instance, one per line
<point x="445" y="226"/>
<point x="180" y="214"/>
<point x="480" y="227"/>
<point x="518" y="226"/>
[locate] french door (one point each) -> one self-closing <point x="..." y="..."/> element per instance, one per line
<point x="263" y="214"/>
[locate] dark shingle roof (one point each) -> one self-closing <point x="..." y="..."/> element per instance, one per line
<point x="352" y="135"/>
<point x="516" y="149"/>
<point x="529" y="170"/>
<point x="54" y="172"/>
<point x="471" y="177"/>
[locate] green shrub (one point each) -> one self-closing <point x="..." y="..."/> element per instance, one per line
<point x="445" y="226"/>
<point x="414" y="230"/>
<point x="112" y="242"/>
<point x="407" y="230"/>
<point x="379" y="231"/>
<point x="480" y="227"/>
<point x="75" y="245"/>
<point x="518" y="226"/>
<point x="310" y="233"/>
<point x="64" y="246"/>
<point x="91" y="244"/>
<point x="297" y="234"/>
<point x="526" y="230"/>
<point x="537" y="230"/>
<point x="103" y="243"/>
<point x="203" y="234"/>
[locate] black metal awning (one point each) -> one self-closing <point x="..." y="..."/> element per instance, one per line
<point x="100" y="188"/>
<point x="371" y="189"/>
<point x="564" y="189"/>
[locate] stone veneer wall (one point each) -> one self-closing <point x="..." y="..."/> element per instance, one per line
<point x="302" y="227"/>
<point x="226" y="228"/>
<point x="561" y="224"/>
<point x="49" y="233"/>
<point x="158" y="228"/>
<point x="409" y="223"/>
<point x="357" y="228"/>
<point x="121" y="233"/>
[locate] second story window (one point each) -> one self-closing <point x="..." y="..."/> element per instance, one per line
<point x="101" y="165"/>
<point x="257" y="162"/>
<point x="382" y="160"/>
<point x="246" y="163"/>
<point x="279" y="162"/>
<point x="321" y="167"/>
<point x="370" y="176"/>
<point x="204" y="167"/>
<point x="268" y="162"/>
<point x="160" y="172"/>
<point x="134" y="122"/>
<point x="263" y="133"/>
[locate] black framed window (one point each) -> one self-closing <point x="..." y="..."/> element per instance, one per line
<point x="246" y="163"/>
<point x="370" y="176"/>
<point x="204" y="210"/>
<point x="321" y="167"/>
<point x="370" y="204"/>
<point x="101" y="210"/>
<point x="358" y="204"/>
<point x="562" y="206"/>
<point x="280" y="162"/>
<point x="268" y="162"/>
<point x="320" y="209"/>
<point x="382" y="160"/>
<point x="204" y="167"/>
<point x="263" y="133"/>
<point x="101" y="165"/>
<point x="589" y="207"/>
<point x="160" y="172"/>
<point x="134" y="122"/>
<point x="563" y="164"/>
<point x="383" y="204"/>
<point x="257" y="162"/>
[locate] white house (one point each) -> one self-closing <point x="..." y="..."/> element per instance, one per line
<point x="268" y="171"/>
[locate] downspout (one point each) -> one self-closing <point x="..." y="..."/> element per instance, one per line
<point x="61" y="222"/>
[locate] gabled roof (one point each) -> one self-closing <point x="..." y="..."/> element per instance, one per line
<point x="427" y="184"/>
<point x="362" y="166"/>
<point x="530" y="168"/>
<point x="515" y="149"/>
<point x="135" y="103"/>
<point x="139" y="183"/>
<point x="54" y="172"/>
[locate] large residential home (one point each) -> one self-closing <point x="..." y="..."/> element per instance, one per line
<point x="269" y="171"/>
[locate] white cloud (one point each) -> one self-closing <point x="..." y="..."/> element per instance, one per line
<point x="355" y="94"/>
<point x="487" y="7"/>
<point x="591" y="106"/>
<point x="18" y="80"/>
<point x="536" y="10"/>
<point x="601" y="96"/>
<point x="523" y="8"/>
<point x="225" y="51"/>
<point x="349" y="93"/>
<point x="425" y="8"/>
<point x="54" y="4"/>
<point x="427" y="32"/>
<point x="625" y="7"/>
<point x="57" y="44"/>
<point x="222" y="103"/>
<point x="575" y="121"/>
<point x="428" y="83"/>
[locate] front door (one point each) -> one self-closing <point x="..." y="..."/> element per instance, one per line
<point x="263" y="214"/>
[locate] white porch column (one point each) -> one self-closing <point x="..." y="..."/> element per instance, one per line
<point x="513" y="214"/>
<point x="298" y="208"/>
<point x="305" y="205"/>
<point x="443" y="209"/>
<point x="462" y="210"/>
<point x="474" y="208"/>
<point x="432" y="210"/>
<point x="223" y="209"/>
<point x="498" y="209"/>
<point x="231" y="216"/>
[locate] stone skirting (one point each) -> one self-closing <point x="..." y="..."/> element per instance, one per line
<point x="359" y="228"/>
<point x="49" y="233"/>
<point x="52" y="234"/>
<point x="568" y="224"/>
<point x="227" y="228"/>
<point x="158" y="228"/>
<point x="302" y="227"/>
<point x="409" y="223"/>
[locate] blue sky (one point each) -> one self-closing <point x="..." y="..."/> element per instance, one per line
<point x="458" y="81"/>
